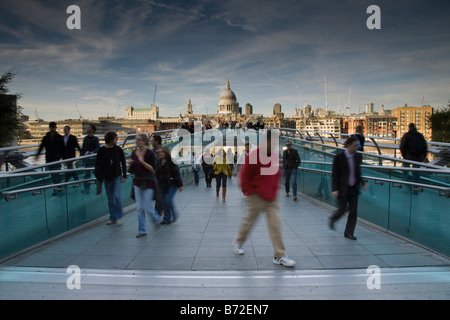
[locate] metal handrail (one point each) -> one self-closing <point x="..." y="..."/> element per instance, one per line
<point x="44" y="173"/>
<point x="385" y="167"/>
<point x="101" y="138"/>
<point x="383" y="157"/>
<point x="12" y="195"/>
<point x="435" y="143"/>
<point x="399" y="183"/>
<point x="131" y="141"/>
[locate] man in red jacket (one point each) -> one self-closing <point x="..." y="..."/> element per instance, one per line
<point x="259" y="178"/>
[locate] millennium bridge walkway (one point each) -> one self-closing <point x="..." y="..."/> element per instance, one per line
<point x="59" y="247"/>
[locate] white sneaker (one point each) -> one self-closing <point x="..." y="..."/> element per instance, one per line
<point x="237" y="247"/>
<point x="285" y="261"/>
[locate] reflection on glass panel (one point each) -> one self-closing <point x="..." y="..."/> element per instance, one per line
<point x="23" y="222"/>
<point x="373" y="204"/>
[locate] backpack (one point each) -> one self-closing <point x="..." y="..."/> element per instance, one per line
<point x="417" y="144"/>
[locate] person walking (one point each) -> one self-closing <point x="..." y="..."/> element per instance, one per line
<point x="111" y="170"/>
<point x="241" y="160"/>
<point x="413" y="146"/>
<point x="156" y="142"/>
<point x="345" y="182"/>
<point x="261" y="189"/>
<point x="70" y="146"/>
<point x="54" y="149"/>
<point x="222" y="170"/>
<point x="91" y="145"/>
<point x="142" y="164"/>
<point x="230" y="160"/>
<point x="196" y="166"/>
<point x="207" y="160"/>
<point x="170" y="181"/>
<point x="359" y="133"/>
<point x="291" y="161"/>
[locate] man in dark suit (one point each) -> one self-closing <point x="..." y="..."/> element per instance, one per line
<point x="291" y="161"/>
<point x="70" y="145"/>
<point x="346" y="179"/>
<point x="54" y="148"/>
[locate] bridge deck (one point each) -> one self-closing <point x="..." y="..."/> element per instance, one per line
<point x="195" y="257"/>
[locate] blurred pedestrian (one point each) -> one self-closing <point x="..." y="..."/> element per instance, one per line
<point x="359" y="133"/>
<point x="222" y="170"/>
<point x="91" y="145"/>
<point x="70" y="147"/>
<point x="170" y="181"/>
<point x="230" y="161"/>
<point x="291" y="161"/>
<point x="142" y="165"/>
<point x="413" y="146"/>
<point x="54" y="149"/>
<point x="346" y="179"/>
<point x="207" y="160"/>
<point x="260" y="186"/>
<point x="196" y="166"/>
<point x="156" y="142"/>
<point x="241" y="160"/>
<point x="111" y="170"/>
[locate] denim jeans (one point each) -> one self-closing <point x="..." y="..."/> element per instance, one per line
<point x="291" y="174"/>
<point x="196" y="175"/>
<point x="170" y="215"/>
<point x="144" y="204"/>
<point x="221" y="179"/>
<point x="113" y="192"/>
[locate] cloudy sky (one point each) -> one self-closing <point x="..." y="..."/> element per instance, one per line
<point x="268" y="50"/>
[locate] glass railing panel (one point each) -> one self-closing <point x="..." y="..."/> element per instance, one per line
<point x="23" y="223"/>
<point x="325" y="194"/>
<point x="27" y="219"/>
<point x="373" y="204"/>
<point x="311" y="184"/>
<point x="84" y="205"/>
<point x="56" y="209"/>
<point x="430" y="220"/>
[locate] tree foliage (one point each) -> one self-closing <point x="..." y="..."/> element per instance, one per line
<point x="10" y="111"/>
<point x="440" y="124"/>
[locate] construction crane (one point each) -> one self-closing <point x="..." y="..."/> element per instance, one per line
<point x="348" y="104"/>
<point x="36" y="113"/>
<point x="421" y="105"/>
<point x="326" y="94"/>
<point x="81" y="117"/>
<point x="303" y="101"/>
<point x="154" y="96"/>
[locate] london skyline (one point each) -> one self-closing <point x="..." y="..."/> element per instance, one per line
<point x="189" y="50"/>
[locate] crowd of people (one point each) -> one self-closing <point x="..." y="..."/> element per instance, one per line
<point x="192" y="126"/>
<point x="156" y="176"/>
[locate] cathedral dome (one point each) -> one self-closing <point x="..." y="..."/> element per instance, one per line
<point x="228" y="101"/>
<point x="228" y="94"/>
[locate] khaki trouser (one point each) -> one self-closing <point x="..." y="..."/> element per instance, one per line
<point x="255" y="205"/>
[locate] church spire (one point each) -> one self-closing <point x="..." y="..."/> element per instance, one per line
<point x="228" y="84"/>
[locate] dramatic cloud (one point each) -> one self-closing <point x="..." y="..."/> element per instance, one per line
<point x="267" y="49"/>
